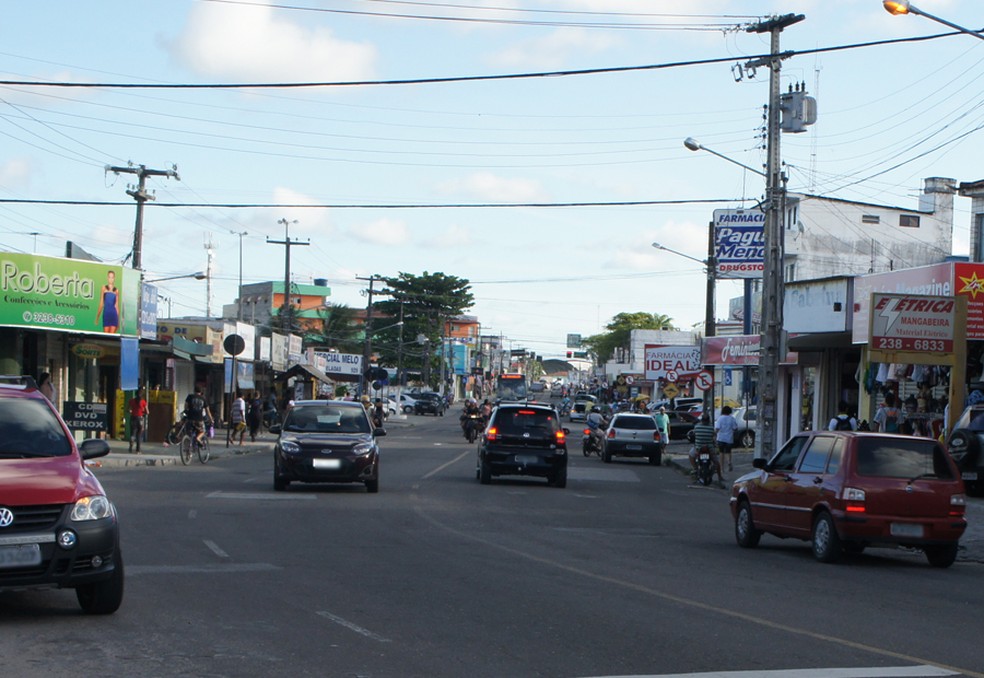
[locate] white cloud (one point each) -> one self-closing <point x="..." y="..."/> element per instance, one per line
<point x="455" y="237"/>
<point x="252" y="43"/>
<point x="490" y="187"/>
<point x="309" y="221"/>
<point x="554" y="50"/>
<point x="16" y="173"/>
<point x="639" y="255"/>
<point x="387" y="232"/>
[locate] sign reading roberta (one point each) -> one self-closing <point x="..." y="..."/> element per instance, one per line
<point x="70" y="295"/>
<point x="909" y="322"/>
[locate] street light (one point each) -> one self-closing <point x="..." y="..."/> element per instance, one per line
<point x="897" y="7"/>
<point x="694" y="145"/>
<point x="197" y="275"/>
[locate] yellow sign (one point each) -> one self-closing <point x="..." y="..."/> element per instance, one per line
<point x="93" y="351"/>
<point x="671" y="390"/>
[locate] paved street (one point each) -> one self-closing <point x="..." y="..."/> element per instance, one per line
<point x="627" y="571"/>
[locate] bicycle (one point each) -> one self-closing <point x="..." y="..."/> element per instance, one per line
<point x="191" y="446"/>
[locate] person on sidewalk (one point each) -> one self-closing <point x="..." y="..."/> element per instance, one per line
<point x="726" y="425"/>
<point x="254" y="415"/>
<point x="662" y="420"/>
<point x="238" y="419"/>
<point x="138" y="413"/>
<point x="843" y="421"/>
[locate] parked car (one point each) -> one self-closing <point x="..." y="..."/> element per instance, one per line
<point x="966" y="446"/>
<point x="846" y="491"/>
<point x="407" y="403"/>
<point x="632" y="435"/>
<point x="429" y="403"/>
<point x="579" y="410"/>
<point x="523" y="439"/>
<point x="747" y="418"/>
<point x="326" y="441"/>
<point x="392" y="407"/>
<point x="681" y="424"/>
<point x="58" y="529"/>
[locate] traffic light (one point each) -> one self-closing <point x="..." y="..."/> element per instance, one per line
<point x="570" y="354"/>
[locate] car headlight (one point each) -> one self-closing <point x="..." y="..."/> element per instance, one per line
<point x="362" y="449"/>
<point x="92" y="508"/>
<point x="290" y="447"/>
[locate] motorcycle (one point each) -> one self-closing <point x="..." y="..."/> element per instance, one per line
<point x="705" y="467"/>
<point x="472" y="425"/>
<point x="591" y="442"/>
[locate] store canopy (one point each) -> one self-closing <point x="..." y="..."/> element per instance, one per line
<point x="300" y="370"/>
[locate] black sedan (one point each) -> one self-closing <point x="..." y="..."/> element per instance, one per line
<point x="326" y="441"/>
<point x="429" y="403"/>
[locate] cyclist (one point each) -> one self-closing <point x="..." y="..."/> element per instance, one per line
<point x="196" y="412"/>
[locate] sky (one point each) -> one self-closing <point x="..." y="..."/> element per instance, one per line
<point x="342" y="163"/>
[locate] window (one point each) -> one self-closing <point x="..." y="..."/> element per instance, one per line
<point x="28" y="427"/>
<point x="915" y="458"/>
<point x="908" y="221"/>
<point x="870" y="219"/>
<point x="815" y="459"/>
<point x="785" y="459"/>
<point x="835" y="457"/>
<point x="635" y="423"/>
<point x="520" y="421"/>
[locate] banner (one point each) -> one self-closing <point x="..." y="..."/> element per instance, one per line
<point x="739" y="243"/>
<point x="672" y="363"/>
<point x="68" y="295"/>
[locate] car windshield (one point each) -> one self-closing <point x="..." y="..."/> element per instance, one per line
<point x="902" y="458"/>
<point x="515" y="421"/>
<point x="28" y="428"/>
<point x="327" y="420"/>
<point x="635" y="423"/>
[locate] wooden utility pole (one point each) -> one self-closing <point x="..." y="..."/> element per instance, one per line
<point x="367" y="326"/>
<point x="141" y="196"/>
<point x="287" y="243"/>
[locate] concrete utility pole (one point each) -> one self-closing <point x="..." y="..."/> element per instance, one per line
<point x="239" y="293"/>
<point x="141" y="196"/>
<point x="772" y="287"/>
<point x="287" y="243"/>
<point x="367" y="344"/>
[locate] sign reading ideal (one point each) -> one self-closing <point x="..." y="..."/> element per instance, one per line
<point x="910" y="322"/>
<point x="682" y="362"/>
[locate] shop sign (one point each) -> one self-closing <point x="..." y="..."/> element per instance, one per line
<point x="86" y="416"/>
<point x="912" y="322"/>
<point x="739" y="243"/>
<point x="342" y="363"/>
<point x="742" y="349"/>
<point x="673" y="363"/>
<point x="936" y="280"/>
<point x="89" y="351"/>
<point x="68" y="295"/>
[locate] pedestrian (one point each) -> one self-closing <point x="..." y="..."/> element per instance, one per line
<point x="138" y="413"/>
<point x="843" y="421"/>
<point x="663" y="425"/>
<point x="46" y="387"/>
<point x="270" y="408"/>
<point x="254" y="415"/>
<point x="378" y="415"/>
<point x="726" y="425"/>
<point x="238" y="420"/>
<point x="889" y="416"/>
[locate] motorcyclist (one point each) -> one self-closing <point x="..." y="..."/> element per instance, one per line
<point x="596" y="423"/>
<point x="471" y="408"/>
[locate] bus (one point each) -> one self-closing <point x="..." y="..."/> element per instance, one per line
<point x="511" y="387"/>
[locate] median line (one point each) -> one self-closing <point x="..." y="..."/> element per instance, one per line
<point x="443" y="466"/>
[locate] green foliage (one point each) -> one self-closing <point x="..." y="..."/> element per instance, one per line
<point x="339" y="330"/>
<point x="619" y="331"/>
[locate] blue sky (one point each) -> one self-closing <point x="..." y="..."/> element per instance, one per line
<point x="889" y="116"/>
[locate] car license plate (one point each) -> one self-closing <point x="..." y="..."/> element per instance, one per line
<point x="526" y="459"/>
<point x="906" y="530"/>
<point x="633" y="447"/>
<point x="705" y="457"/>
<point x="969" y="475"/>
<point x="327" y="463"/>
<point x="21" y="555"/>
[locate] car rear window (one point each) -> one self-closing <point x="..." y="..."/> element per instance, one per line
<point x="28" y="428"/>
<point x="902" y="458"/>
<point x="635" y="423"/>
<point x="510" y="421"/>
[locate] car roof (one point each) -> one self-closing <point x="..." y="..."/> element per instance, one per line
<point x="322" y="403"/>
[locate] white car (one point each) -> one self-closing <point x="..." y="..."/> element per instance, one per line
<point x="406" y="403"/>
<point x="391" y="406"/>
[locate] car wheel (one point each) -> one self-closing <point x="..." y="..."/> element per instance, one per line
<point x="745" y="533"/>
<point x="103" y="597"/>
<point x="826" y="543"/>
<point x="606" y="457"/>
<point x="748" y="439"/>
<point x="964" y="447"/>
<point x="407" y="410"/>
<point x="484" y="473"/>
<point x="372" y="486"/>
<point x="280" y="483"/>
<point x="559" y="479"/>
<point x="656" y="459"/>
<point x="941" y="556"/>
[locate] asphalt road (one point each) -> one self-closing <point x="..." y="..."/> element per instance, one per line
<point x="627" y="571"/>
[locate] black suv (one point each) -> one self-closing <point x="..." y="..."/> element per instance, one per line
<point x="525" y="440"/>
<point x="966" y="446"/>
<point x="429" y="403"/>
<point x="57" y="526"/>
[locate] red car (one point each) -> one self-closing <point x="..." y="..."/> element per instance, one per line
<point x="845" y="491"/>
<point x="57" y="526"/>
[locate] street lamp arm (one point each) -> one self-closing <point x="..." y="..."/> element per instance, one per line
<point x="896" y="7"/>
<point x="694" y="145"/>
<point x="702" y="262"/>
<point x="197" y="275"/>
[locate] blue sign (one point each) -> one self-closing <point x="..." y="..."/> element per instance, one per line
<point x="739" y="243"/>
<point x="727" y="376"/>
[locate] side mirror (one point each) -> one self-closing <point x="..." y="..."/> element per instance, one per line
<point x="566" y="431"/>
<point x="276" y="428"/>
<point x="93" y="448"/>
<point x="758" y="462"/>
<point x="378" y="432"/>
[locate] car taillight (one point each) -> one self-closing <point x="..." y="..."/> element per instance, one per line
<point x="492" y="433"/>
<point x="656" y="436"/>
<point x="561" y="438"/>
<point x="587" y="431"/>
<point x="611" y="433"/>
<point x="853" y="500"/>
<point x="958" y="505"/>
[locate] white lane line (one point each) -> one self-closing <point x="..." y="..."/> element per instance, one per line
<point x="861" y="672"/>
<point x="446" y="464"/>
<point x="263" y="496"/>
<point x="192" y="514"/>
<point x="353" y="627"/>
<point x="214" y="548"/>
<point x="223" y="568"/>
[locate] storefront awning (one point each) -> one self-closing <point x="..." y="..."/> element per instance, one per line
<point x="305" y="370"/>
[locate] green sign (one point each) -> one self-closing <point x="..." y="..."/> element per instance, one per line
<point x="70" y="295"/>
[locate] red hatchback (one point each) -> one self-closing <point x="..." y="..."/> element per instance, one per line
<point x="845" y="491"/>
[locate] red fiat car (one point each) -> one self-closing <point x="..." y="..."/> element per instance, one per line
<point x="57" y="526"/>
<point x="845" y="491"/>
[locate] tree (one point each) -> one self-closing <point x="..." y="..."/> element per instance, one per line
<point x="339" y="329"/>
<point x="425" y="303"/>
<point x="619" y="332"/>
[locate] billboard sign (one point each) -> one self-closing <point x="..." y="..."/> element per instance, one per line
<point x="672" y="363"/>
<point x="912" y="322"/>
<point x="739" y="243"/>
<point x="68" y="295"/>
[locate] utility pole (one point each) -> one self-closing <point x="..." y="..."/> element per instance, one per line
<point x="209" y="256"/>
<point x="287" y="243"/>
<point x="141" y="196"/>
<point x="239" y="299"/>
<point x="367" y="343"/>
<point x="772" y="274"/>
<point x="710" y="324"/>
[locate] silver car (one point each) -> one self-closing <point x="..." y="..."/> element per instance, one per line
<point x="633" y="435"/>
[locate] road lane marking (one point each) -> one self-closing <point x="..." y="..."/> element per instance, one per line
<point x="214" y="548"/>
<point x="446" y="464"/>
<point x="192" y="514"/>
<point x="353" y="627"/>
<point x="267" y="496"/>
<point x="689" y="602"/>
<point x="223" y="568"/>
<point x="923" y="671"/>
